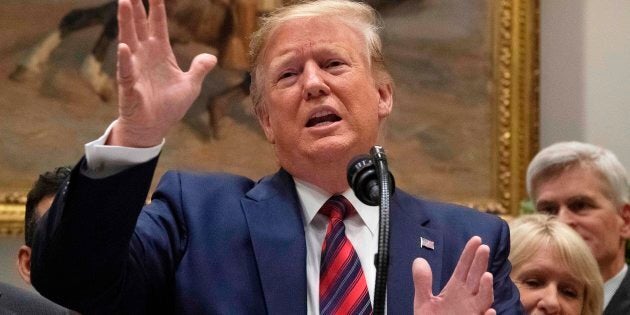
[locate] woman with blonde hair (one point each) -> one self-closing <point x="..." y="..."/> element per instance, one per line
<point x="553" y="268"/>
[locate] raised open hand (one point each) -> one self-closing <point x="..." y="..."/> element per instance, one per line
<point x="153" y="92"/>
<point x="469" y="291"/>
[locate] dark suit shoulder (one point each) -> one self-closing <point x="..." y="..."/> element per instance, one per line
<point x="14" y="300"/>
<point x="202" y="185"/>
<point x="445" y="214"/>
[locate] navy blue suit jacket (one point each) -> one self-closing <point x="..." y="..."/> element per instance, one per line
<point x="224" y="244"/>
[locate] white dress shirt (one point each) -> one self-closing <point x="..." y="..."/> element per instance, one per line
<point x="361" y="228"/>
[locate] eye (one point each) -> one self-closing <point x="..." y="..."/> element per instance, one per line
<point x="533" y="282"/>
<point x="547" y="208"/>
<point x="334" y="63"/>
<point x="579" y="205"/>
<point x="286" y="74"/>
<point x="570" y="291"/>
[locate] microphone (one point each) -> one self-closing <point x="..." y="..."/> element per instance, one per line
<point x="363" y="179"/>
<point x="373" y="184"/>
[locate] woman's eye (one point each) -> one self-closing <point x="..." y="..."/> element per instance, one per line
<point x="533" y="283"/>
<point x="570" y="291"/>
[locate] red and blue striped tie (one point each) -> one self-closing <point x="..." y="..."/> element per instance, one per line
<point x="342" y="285"/>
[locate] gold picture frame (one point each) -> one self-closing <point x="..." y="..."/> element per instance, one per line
<point x="513" y="101"/>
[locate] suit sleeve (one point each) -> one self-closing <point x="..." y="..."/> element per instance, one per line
<point x="506" y="295"/>
<point x="88" y="254"/>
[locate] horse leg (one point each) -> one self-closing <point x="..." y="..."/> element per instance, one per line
<point x="75" y="20"/>
<point x="242" y="19"/>
<point x="218" y="105"/>
<point x="32" y="64"/>
<point x="92" y="67"/>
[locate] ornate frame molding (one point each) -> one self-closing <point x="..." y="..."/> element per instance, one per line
<point x="516" y="80"/>
<point x="12" y="207"/>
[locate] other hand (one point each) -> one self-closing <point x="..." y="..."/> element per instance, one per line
<point x="469" y="291"/>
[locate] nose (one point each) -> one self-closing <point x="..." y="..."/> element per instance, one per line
<point x="314" y="83"/>
<point x="549" y="302"/>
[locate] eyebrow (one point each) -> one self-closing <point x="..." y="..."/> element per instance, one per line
<point x="578" y="198"/>
<point x="286" y="56"/>
<point x="581" y="198"/>
<point x="542" y="271"/>
<point x="545" y="203"/>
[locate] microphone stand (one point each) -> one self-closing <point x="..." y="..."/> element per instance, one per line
<point x="373" y="184"/>
<point x="381" y="259"/>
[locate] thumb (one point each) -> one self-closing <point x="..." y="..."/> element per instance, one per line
<point x="422" y="280"/>
<point x="201" y="65"/>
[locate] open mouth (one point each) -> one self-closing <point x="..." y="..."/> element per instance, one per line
<point x="322" y="119"/>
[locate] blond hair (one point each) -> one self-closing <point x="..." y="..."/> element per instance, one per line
<point x="358" y="16"/>
<point x="530" y="232"/>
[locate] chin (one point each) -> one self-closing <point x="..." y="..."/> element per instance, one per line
<point x="331" y="148"/>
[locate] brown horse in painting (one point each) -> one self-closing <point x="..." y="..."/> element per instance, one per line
<point x="224" y="25"/>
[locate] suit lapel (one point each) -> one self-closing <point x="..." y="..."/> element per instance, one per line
<point x="275" y="223"/>
<point x="407" y="228"/>
<point x="620" y="302"/>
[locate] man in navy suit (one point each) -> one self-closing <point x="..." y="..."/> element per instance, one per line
<point x="224" y="244"/>
<point x="587" y="188"/>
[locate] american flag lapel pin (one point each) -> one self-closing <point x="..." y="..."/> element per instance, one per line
<point x="427" y="243"/>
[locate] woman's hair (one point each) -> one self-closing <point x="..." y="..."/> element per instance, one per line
<point x="530" y="232"/>
<point x="356" y="15"/>
<point x="557" y="158"/>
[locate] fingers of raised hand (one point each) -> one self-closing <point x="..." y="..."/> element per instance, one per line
<point x="200" y="66"/>
<point x="140" y="19"/>
<point x="124" y="64"/>
<point x="157" y="20"/>
<point x="126" y="25"/>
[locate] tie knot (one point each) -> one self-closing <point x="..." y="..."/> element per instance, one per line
<point x="337" y="207"/>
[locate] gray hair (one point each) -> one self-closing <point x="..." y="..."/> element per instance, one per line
<point x="556" y="158"/>
<point x="356" y="15"/>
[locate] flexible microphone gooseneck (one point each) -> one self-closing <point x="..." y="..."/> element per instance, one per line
<point x="373" y="184"/>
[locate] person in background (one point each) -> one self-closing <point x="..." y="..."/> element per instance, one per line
<point x="225" y="244"/>
<point x="38" y="201"/>
<point x="14" y="300"/>
<point x="587" y="188"/>
<point x="553" y="268"/>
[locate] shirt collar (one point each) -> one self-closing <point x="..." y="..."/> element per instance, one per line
<point x="312" y="198"/>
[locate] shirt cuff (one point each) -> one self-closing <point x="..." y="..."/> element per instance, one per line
<point x="105" y="160"/>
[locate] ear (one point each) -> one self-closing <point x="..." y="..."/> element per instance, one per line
<point x="265" y="123"/>
<point x="24" y="263"/>
<point x="624" y="212"/>
<point x="386" y="99"/>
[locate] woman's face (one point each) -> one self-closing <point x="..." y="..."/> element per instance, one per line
<point x="547" y="286"/>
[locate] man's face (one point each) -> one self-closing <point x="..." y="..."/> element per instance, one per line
<point x="581" y="198"/>
<point x="322" y="103"/>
